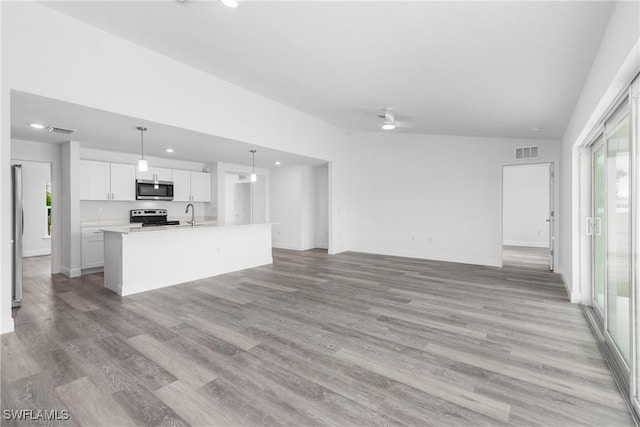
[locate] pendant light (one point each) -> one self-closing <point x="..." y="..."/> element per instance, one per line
<point x="254" y="177"/>
<point x="142" y="163"/>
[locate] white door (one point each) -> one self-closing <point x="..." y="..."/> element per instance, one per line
<point x="95" y="180"/>
<point x="123" y="181"/>
<point x="551" y="219"/>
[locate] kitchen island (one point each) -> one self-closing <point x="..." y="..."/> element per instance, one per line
<point x="141" y="259"/>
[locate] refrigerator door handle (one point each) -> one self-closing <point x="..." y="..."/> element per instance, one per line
<point x="18" y="231"/>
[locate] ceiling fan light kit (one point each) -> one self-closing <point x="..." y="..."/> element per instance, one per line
<point x="389" y="119"/>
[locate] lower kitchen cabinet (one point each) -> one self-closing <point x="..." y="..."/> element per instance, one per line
<point x="92" y="248"/>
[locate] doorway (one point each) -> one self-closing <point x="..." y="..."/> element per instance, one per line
<point x="527" y="216"/>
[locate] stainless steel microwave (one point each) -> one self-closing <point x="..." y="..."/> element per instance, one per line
<point x="154" y="190"/>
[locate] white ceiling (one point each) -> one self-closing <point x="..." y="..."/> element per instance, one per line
<point x="464" y="68"/>
<point x="104" y="130"/>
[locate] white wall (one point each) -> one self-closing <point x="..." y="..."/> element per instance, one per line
<point x="109" y="73"/>
<point x="35" y="240"/>
<point x="525" y="205"/>
<point x="242" y="203"/>
<point x="70" y="235"/>
<point x="307" y="208"/>
<point x="430" y="196"/>
<point x="615" y="65"/>
<point x="293" y="207"/>
<point x="285" y="189"/>
<point x="322" y="207"/>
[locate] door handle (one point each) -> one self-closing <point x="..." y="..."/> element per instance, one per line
<point x="547" y="220"/>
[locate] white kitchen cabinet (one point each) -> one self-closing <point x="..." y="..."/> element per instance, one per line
<point x="152" y="174"/>
<point x="92" y="248"/>
<point x="181" y="185"/>
<point x="191" y="186"/>
<point x="107" y="181"/>
<point x="200" y="187"/>
<point x="95" y="181"/>
<point x="123" y="182"/>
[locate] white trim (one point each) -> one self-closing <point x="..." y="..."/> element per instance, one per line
<point x="7" y="327"/>
<point x="293" y="247"/>
<point x="36" y="252"/>
<point x="430" y="256"/>
<point x="75" y="272"/>
<point x="525" y="243"/>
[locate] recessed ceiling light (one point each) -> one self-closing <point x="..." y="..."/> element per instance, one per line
<point x="36" y="125"/>
<point x="169" y="150"/>
<point x="278" y="163"/>
<point x="230" y="3"/>
<point x="536" y="128"/>
<point x="388" y="126"/>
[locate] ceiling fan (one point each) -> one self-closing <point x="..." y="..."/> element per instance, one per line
<point x="390" y="122"/>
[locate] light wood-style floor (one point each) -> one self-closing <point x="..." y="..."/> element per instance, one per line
<point x="350" y="339"/>
<point x="526" y="256"/>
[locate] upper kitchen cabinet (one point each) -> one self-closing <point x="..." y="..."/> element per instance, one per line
<point x="156" y="174"/>
<point x="123" y="182"/>
<point x="181" y="186"/>
<point x="200" y="187"/>
<point x="107" y="181"/>
<point x="95" y="180"/>
<point x="190" y="186"/>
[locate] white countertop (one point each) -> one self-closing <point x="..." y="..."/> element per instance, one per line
<point x="125" y="222"/>
<point x="172" y="228"/>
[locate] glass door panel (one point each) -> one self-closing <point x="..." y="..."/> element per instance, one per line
<point x="618" y="244"/>
<point x="598" y="226"/>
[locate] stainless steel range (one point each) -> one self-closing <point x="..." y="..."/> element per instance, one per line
<point x="150" y="217"/>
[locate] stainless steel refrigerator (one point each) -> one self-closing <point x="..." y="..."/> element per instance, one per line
<point x="18" y="230"/>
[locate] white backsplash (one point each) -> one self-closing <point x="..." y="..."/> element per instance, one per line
<point x="104" y="211"/>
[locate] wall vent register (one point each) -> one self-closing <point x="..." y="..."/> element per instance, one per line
<point x="63" y="131"/>
<point x="527" y="152"/>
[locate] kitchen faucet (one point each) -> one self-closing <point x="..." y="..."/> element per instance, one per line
<point x="193" y="215"/>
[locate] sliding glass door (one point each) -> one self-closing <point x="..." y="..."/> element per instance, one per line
<point x="610" y="226"/>
<point x="599" y="255"/>
<point x="614" y="225"/>
<point x="618" y="231"/>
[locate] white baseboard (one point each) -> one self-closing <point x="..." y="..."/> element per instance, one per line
<point x="37" y="252"/>
<point x="524" y="243"/>
<point x="285" y="246"/>
<point x="491" y="262"/>
<point x="574" y="296"/>
<point x="7" y="326"/>
<point x="69" y="272"/>
<point x="292" y="247"/>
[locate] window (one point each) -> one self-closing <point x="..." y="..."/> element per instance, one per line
<point x="47" y="189"/>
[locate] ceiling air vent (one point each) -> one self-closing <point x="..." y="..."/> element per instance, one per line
<point x="63" y="131"/>
<point x="527" y="152"/>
